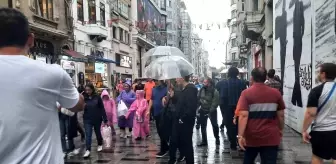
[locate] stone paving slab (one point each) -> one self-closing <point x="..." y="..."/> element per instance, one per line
<point x="128" y="151"/>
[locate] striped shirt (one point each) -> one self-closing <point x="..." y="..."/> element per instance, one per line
<point x="262" y="103"/>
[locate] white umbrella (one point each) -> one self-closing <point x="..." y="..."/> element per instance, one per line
<point x="161" y="51"/>
<point x="168" y="67"/>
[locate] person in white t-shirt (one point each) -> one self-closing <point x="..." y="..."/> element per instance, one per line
<point x="29" y="125"/>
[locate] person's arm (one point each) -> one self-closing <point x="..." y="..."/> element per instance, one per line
<point x="102" y="109"/>
<point x="132" y="108"/>
<point x="243" y="108"/>
<point x="215" y="102"/>
<point x="311" y="110"/>
<point x="281" y="112"/>
<point x="131" y="98"/>
<point x="68" y="95"/>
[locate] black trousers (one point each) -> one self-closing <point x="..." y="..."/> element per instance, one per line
<point x="204" y="121"/>
<point x="163" y="142"/>
<point x="182" y="138"/>
<point x="232" y="129"/>
<point x="268" y="154"/>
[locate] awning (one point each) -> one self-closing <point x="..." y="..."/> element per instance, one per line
<point x="74" y="54"/>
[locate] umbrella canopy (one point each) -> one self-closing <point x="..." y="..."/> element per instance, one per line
<point x="161" y="51"/>
<point x="168" y="67"/>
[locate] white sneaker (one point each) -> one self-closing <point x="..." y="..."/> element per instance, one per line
<point x="99" y="148"/>
<point x="122" y="134"/>
<point x="87" y="154"/>
<point x="74" y="152"/>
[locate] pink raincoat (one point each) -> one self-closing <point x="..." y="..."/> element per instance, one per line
<point x="140" y="121"/>
<point x="110" y="109"/>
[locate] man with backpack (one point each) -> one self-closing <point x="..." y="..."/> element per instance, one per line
<point x="208" y="99"/>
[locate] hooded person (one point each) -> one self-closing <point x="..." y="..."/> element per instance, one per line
<point x="140" y="121"/>
<point x="110" y="110"/>
<point x="128" y="97"/>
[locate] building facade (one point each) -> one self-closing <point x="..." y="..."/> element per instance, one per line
<point x="173" y="23"/>
<point x="186" y="32"/>
<point x="51" y="22"/>
<point x="149" y="29"/>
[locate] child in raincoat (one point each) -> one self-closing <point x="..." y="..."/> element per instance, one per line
<point x="140" y="120"/>
<point x="110" y="109"/>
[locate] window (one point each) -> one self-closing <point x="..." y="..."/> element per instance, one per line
<point x="44" y="8"/>
<point x="234" y="42"/>
<point x="80" y="10"/>
<point x="114" y="31"/>
<point x="255" y="5"/>
<point x="92" y="12"/>
<point x="170" y="3"/>
<point x="169" y="13"/>
<point x="243" y="6"/>
<point x="233" y="56"/>
<point x="121" y="34"/>
<point x="102" y="14"/>
<point x="127" y="37"/>
<point x="123" y="9"/>
<point x="233" y="13"/>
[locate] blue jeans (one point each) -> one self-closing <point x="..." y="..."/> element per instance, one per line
<point x="88" y="125"/>
<point x="64" y="127"/>
<point x="268" y="154"/>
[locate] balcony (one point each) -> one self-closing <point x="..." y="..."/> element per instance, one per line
<point x="96" y="30"/>
<point x="255" y="20"/>
<point x="233" y="6"/>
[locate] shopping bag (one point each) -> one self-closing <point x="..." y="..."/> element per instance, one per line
<point x="122" y="108"/>
<point x="106" y="132"/>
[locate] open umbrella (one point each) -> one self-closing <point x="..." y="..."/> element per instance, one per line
<point x="161" y="51"/>
<point x="168" y="67"/>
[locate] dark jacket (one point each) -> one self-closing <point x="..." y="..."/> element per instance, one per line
<point x="186" y="105"/>
<point x="94" y="109"/>
<point x="71" y="129"/>
<point x="208" y="99"/>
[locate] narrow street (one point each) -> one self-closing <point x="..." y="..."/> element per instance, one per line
<point x="143" y="152"/>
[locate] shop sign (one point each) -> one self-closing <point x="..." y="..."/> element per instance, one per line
<point x="89" y="67"/>
<point x="243" y="49"/>
<point x="43" y="47"/>
<point x="68" y="65"/>
<point x="96" y="53"/>
<point x="99" y="68"/>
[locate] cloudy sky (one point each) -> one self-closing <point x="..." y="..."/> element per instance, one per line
<point x="211" y="12"/>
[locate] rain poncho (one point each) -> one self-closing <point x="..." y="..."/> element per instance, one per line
<point x="140" y="119"/>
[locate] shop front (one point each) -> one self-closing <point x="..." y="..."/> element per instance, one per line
<point x="124" y="69"/>
<point x="97" y="70"/>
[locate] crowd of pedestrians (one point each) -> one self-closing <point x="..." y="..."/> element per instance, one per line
<point x="38" y="119"/>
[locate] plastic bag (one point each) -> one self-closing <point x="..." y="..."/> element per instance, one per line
<point x="122" y="108"/>
<point x="106" y="132"/>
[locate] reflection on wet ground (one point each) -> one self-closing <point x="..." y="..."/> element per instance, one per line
<point x="127" y="151"/>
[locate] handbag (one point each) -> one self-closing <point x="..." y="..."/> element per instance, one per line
<point x="122" y="108"/>
<point x="106" y="132"/>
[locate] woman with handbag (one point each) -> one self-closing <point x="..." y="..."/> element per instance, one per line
<point x="110" y="109"/>
<point x="126" y="97"/>
<point x="140" y="122"/>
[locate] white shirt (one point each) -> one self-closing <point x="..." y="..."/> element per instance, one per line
<point x="29" y="124"/>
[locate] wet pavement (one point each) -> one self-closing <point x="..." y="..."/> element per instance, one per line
<point x="129" y="151"/>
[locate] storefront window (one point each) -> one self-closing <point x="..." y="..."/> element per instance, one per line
<point x="97" y="74"/>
